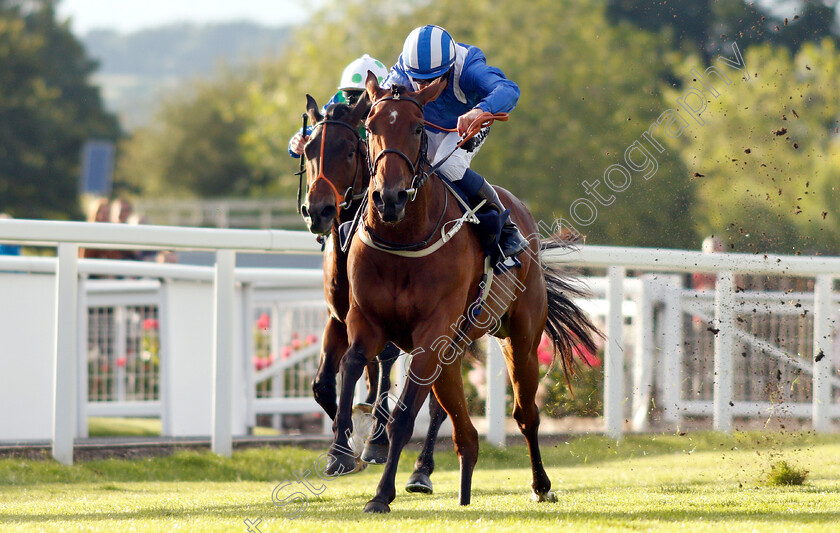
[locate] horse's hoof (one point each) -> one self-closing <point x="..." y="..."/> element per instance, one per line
<point x="419" y="482"/>
<point x="547" y="497"/>
<point x="374" y="506"/>
<point x="375" y="454"/>
<point x="341" y="464"/>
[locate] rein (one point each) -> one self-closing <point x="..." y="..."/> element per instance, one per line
<point x="342" y="201"/>
<point x="418" y="179"/>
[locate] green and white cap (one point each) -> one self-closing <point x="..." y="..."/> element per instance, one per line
<point x="355" y="73"/>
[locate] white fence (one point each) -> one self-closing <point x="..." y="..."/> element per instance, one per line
<point x="209" y="320"/>
<point x="232" y="213"/>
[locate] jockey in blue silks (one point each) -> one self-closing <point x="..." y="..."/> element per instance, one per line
<point x="473" y="87"/>
<point x="350" y="88"/>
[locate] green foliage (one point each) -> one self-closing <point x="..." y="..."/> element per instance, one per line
<point x="586" y="397"/>
<point x="767" y="156"/>
<point x="47" y="110"/>
<point x="192" y="147"/>
<point x="706" y="25"/>
<point x="592" y="83"/>
<point x="783" y="473"/>
<point x="589" y="89"/>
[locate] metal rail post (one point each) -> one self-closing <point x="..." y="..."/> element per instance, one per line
<point x="223" y="326"/>
<point x="66" y="336"/>
<point x="614" y="355"/>
<point x="821" y="396"/>
<point x="496" y="372"/>
<point x="724" y="344"/>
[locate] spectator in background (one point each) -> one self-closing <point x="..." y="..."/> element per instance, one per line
<point x="8" y="249"/>
<point x="706" y="280"/>
<point x="159" y="256"/>
<point x="100" y="212"/>
<point x="121" y="211"/>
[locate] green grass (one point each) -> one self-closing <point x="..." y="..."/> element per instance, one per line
<point x="695" y="482"/>
<point x="141" y="427"/>
<point x="132" y="427"/>
<point x="783" y="473"/>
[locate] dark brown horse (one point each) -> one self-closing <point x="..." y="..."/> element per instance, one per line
<point x="337" y="177"/>
<point x="425" y="302"/>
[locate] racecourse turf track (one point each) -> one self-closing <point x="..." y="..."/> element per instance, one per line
<point x="689" y="482"/>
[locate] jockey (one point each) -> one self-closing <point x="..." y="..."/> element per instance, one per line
<point x="473" y="87"/>
<point x="350" y="88"/>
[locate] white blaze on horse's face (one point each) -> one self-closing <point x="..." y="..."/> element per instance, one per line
<point x="393" y="117"/>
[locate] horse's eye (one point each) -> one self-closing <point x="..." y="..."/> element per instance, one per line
<point x="351" y="154"/>
<point x="418" y="130"/>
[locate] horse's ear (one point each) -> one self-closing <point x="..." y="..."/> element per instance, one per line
<point x="360" y="110"/>
<point x="312" y="110"/>
<point x="430" y="93"/>
<point x="374" y="92"/>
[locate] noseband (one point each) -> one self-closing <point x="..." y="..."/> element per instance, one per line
<point x="418" y="178"/>
<point x="342" y="201"/>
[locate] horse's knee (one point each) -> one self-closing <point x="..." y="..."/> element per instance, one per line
<point x="354" y="360"/>
<point x="323" y="386"/>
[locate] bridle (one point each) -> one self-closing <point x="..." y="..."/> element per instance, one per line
<point x="342" y="201"/>
<point x="418" y="177"/>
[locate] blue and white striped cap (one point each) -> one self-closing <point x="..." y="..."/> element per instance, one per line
<point x="428" y="52"/>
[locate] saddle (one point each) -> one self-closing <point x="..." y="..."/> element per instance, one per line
<point x="488" y="229"/>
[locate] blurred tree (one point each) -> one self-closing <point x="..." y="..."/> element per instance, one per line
<point x="767" y="160"/>
<point x="47" y="110"/>
<point x="589" y="89"/>
<point x="193" y="146"/>
<point x="705" y="25"/>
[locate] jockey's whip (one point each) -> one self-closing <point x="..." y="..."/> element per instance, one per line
<point x="302" y="163"/>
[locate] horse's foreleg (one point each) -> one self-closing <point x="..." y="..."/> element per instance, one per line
<point x="342" y="459"/>
<point x="423" y="370"/>
<point x="372" y="377"/>
<point x="419" y="480"/>
<point x="376" y="448"/>
<point x="333" y="347"/>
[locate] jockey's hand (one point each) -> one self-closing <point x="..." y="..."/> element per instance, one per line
<point x="467" y="118"/>
<point x="297" y="143"/>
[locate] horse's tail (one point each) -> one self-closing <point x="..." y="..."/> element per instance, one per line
<point x="567" y="325"/>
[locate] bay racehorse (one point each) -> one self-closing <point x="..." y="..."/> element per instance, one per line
<point x="337" y="177"/>
<point x="410" y="286"/>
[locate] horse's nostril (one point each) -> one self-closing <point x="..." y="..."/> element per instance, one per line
<point x="304" y="211"/>
<point x="377" y="198"/>
<point x="328" y="212"/>
<point x="402" y="198"/>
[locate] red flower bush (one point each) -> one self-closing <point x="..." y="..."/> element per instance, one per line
<point x="264" y="321"/>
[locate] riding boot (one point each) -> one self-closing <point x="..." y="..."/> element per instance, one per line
<point x="511" y="241"/>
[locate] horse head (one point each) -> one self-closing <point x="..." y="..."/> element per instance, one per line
<point x="335" y="163"/>
<point x="396" y="141"/>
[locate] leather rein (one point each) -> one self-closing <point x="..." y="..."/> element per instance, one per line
<point x="418" y="179"/>
<point x="342" y="201"/>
